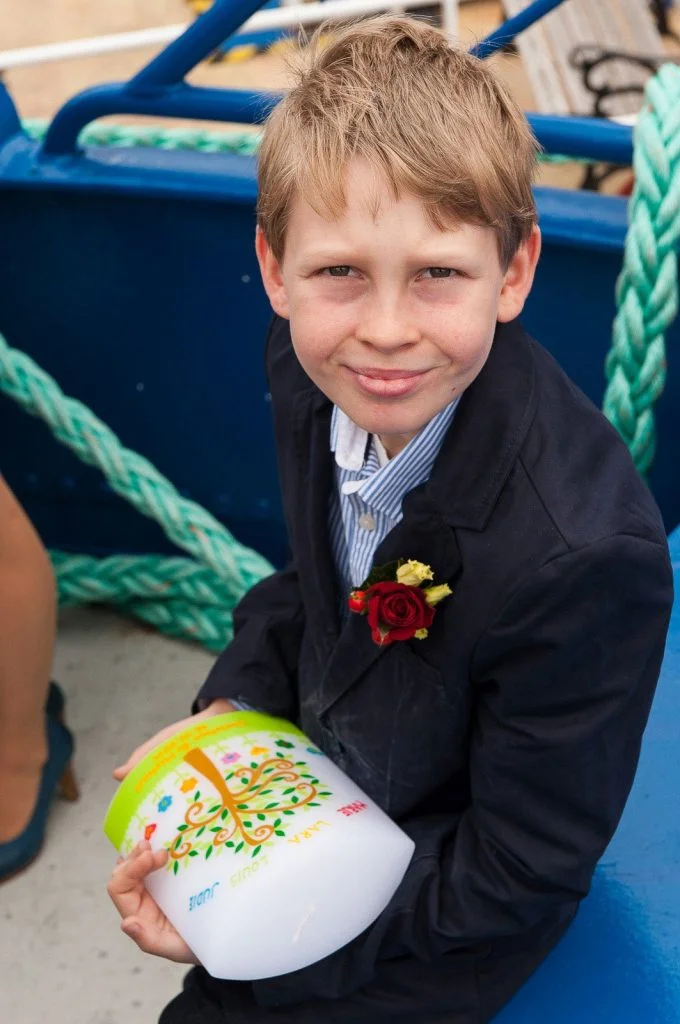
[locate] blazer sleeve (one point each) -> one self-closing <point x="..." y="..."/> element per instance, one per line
<point x="564" y="680"/>
<point x="259" y="667"/>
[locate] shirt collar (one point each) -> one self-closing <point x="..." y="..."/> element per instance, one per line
<point x="385" y="488"/>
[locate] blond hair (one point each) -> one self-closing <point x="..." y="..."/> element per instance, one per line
<point x="434" y="121"/>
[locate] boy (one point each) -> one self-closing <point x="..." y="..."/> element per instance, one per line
<point x="416" y="420"/>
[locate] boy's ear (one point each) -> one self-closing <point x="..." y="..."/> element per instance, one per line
<point x="519" y="278"/>
<point x="272" y="279"/>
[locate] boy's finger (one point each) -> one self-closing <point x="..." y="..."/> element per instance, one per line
<point x="135" y="930"/>
<point x="125" y="883"/>
<point x="128" y="873"/>
<point x="157" y="943"/>
<point x="141" y="751"/>
<point x="124" y="769"/>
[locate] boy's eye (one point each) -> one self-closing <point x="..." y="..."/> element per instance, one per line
<point x="439" y="273"/>
<point x="340" y="271"/>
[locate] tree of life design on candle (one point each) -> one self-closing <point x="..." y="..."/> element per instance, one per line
<point x="247" y="812"/>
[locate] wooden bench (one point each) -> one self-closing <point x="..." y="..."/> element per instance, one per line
<point x="547" y="50"/>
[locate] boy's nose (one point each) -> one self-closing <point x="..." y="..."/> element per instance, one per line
<point x="386" y="325"/>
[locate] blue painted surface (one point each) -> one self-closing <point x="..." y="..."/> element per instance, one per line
<point x="620" y="961"/>
<point x="259" y="39"/>
<point x="130" y="276"/>
<point x="124" y="268"/>
<point x="182" y="100"/>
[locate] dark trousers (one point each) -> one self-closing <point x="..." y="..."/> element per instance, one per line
<point x="460" y="989"/>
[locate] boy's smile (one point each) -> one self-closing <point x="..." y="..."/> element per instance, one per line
<point x="391" y="317"/>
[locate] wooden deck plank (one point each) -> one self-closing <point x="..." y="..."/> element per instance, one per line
<point x="625" y="25"/>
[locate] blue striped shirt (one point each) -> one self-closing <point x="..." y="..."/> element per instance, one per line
<point x="366" y="501"/>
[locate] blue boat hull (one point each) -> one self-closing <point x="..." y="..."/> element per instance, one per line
<point x="134" y="283"/>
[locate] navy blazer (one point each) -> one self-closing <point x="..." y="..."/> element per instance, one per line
<point x="506" y="742"/>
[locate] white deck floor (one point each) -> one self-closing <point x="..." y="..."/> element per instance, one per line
<point x="63" y="959"/>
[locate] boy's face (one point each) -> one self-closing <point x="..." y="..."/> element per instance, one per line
<point x="389" y="316"/>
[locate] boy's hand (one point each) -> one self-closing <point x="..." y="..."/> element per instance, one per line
<point x="218" y="707"/>
<point x="143" y="920"/>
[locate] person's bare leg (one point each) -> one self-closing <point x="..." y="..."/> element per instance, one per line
<point x="27" y="631"/>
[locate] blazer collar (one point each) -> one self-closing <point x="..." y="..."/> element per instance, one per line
<point x="488" y="431"/>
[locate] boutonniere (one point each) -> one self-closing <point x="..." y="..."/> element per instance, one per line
<point x="399" y="599"/>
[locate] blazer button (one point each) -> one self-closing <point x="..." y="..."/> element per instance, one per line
<point x="366" y="521"/>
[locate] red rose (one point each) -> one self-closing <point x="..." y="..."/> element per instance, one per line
<point x="356" y="602"/>
<point x="396" y="611"/>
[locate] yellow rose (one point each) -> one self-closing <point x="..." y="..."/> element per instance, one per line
<point x="420" y="634"/>
<point x="413" y="573"/>
<point x="433" y="595"/>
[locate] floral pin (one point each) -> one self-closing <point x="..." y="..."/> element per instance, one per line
<point x="399" y="600"/>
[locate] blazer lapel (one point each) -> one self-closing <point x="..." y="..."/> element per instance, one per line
<point x="314" y="464"/>
<point x="423" y="535"/>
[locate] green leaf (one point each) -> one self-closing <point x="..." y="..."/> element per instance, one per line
<point x="208" y="852"/>
<point x="239" y="847"/>
<point x="253" y="764"/>
<point x="177" y="842"/>
<point x="216" y="828"/>
<point x="294" y="799"/>
<point x="289" y="812"/>
<point x="197" y="794"/>
<point x="230" y="844"/>
<point x="278" y="832"/>
<point x="242" y="807"/>
<point x="285" y="744"/>
<point x="380" y="574"/>
<point x="291" y="789"/>
<point x="266" y="791"/>
<point x="315" y="782"/>
<point x="215" y="808"/>
<point x="175" y="867"/>
<point x="268" y="770"/>
<point x="193" y="853"/>
<point x="270" y="807"/>
<point x="182" y="828"/>
<point x="313" y="804"/>
<point x="277" y="823"/>
<point x="325" y="794"/>
<point x="200" y="831"/>
<point x="229" y="776"/>
<point x="262" y="817"/>
<point x="244" y="781"/>
<point x="224" y="815"/>
<point x="248" y="824"/>
<point x="256" y="851"/>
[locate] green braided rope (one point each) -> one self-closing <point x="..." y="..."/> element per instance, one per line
<point x="244" y="143"/>
<point x="104" y="133"/>
<point x="184" y="598"/>
<point x="194" y="598"/>
<point x="647" y="288"/>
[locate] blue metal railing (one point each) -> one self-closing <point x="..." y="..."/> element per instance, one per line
<point x="511" y="28"/>
<point x="202" y="38"/>
<point x="159" y="90"/>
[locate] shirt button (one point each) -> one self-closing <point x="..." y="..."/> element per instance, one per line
<point x="366" y="521"/>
